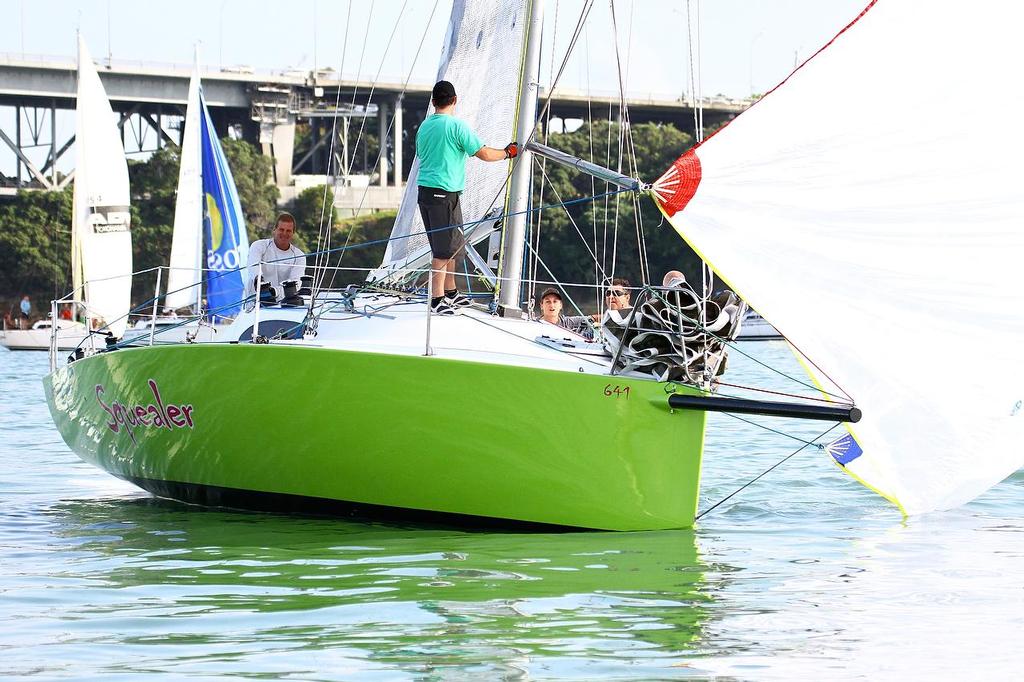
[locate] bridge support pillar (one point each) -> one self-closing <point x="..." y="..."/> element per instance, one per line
<point x="382" y="135"/>
<point x="277" y="140"/>
<point x="396" y="132"/>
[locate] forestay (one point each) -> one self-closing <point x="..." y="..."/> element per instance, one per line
<point x="880" y="230"/>
<point x="101" y="230"/>
<point x="482" y="58"/>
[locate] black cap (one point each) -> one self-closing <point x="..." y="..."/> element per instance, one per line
<point x="548" y="292"/>
<point x="443" y="90"/>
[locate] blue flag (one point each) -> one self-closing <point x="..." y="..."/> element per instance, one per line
<point x="227" y="244"/>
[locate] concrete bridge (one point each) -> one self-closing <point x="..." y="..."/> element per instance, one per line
<point x="288" y="115"/>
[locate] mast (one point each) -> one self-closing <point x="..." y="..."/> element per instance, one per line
<point x="513" y="239"/>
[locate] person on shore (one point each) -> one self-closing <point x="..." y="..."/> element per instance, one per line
<point x="276" y="258"/>
<point x="26" y="311"/>
<point x="443" y="143"/>
<point x="551" y="312"/>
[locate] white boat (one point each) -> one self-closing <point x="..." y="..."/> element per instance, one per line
<point x="101" y="241"/>
<point x="69" y="336"/>
<point x="756" y="328"/>
<point x="796" y="203"/>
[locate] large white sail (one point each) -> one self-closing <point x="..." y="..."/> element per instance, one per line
<point x="879" y="226"/>
<point x="187" y="243"/>
<point x="482" y="57"/>
<point x="101" y="230"/>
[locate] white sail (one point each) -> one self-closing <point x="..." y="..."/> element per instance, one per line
<point x="482" y="57"/>
<point x="183" y="282"/>
<point x="101" y="233"/>
<point x="858" y="189"/>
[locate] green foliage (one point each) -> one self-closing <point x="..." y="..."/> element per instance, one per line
<point x="309" y="210"/>
<point x="253" y="173"/>
<point x="568" y="251"/>
<point x="35" y="242"/>
<point x="154" y="184"/>
<point x="35" y="253"/>
<point x="357" y="232"/>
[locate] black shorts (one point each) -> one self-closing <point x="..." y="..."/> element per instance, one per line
<point x="440" y="209"/>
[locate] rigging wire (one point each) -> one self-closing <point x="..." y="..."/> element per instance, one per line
<point x="580" y="23"/>
<point x="695" y="95"/>
<point x="700" y="73"/>
<point x="382" y="144"/>
<point x="321" y="237"/>
<point x="326" y="244"/>
<point x="768" y="470"/>
<point x="531" y="269"/>
<point x="590" y="138"/>
<point x="559" y="202"/>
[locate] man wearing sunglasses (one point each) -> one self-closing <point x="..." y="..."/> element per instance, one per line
<point x="617" y="296"/>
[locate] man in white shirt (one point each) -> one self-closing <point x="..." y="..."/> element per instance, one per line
<point x="278" y="258"/>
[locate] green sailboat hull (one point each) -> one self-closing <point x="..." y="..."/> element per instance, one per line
<point x="239" y="423"/>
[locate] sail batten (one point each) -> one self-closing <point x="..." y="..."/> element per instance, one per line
<point x="901" y="231"/>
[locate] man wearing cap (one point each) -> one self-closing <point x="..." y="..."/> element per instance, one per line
<point x="443" y="143"/>
<point x="551" y="312"/>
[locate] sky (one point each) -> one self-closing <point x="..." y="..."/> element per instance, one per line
<point x="746" y="45"/>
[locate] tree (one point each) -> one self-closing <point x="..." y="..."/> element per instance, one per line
<point x="310" y="212"/>
<point x="252" y="173"/>
<point x="35" y="244"/>
<point x="154" y="184"/>
<point x="366" y="239"/>
<point x="35" y="247"/>
<point x="607" y="226"/>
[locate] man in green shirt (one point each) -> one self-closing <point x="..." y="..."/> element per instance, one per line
<point x="443" y="144"/>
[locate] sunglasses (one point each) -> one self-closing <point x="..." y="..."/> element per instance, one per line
<point x="616" y="293"/>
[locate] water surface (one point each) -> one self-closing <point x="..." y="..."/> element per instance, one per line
<point x="803" y="574"/>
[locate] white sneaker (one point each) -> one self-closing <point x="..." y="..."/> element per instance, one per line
<point x="442" y="307"/>
<point x="459" y="300"/>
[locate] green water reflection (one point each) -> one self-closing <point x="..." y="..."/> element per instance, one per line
<point x="232" y="592"/>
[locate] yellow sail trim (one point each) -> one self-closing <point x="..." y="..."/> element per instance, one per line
<point x="799" y="358"/>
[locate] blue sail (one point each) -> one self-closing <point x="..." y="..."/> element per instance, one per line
<point x="227" y="244"/>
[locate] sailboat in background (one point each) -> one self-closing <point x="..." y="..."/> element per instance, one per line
<point x="209" y="234"/>
<point x="796" y="204"/>
<point x="101" y="240"/>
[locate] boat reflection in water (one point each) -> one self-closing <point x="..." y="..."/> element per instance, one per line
<point x="192" y="585"/>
